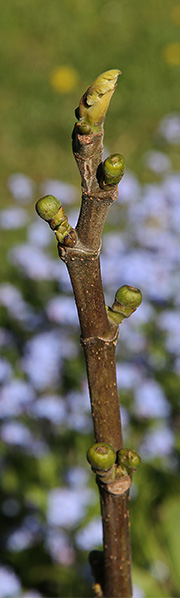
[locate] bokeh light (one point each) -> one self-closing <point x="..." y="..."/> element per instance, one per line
<point x="64" y="79"/>
<point x="171" y="54"/>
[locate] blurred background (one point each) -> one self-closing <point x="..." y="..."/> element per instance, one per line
<point x="50" y="518"/>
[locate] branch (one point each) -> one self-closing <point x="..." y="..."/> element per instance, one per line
<point x="80" y="250"/>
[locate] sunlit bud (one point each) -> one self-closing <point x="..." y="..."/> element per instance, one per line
<point x="129" y="459"/>
<point x="95" y="101"/>
<point x="50" y="209"/>
<point x="127" y="299"/>
<point x="84" y="129"/>
<point x="113" y="169"/>
<point x="47" y="207"/>
<point x="101" y="456"/>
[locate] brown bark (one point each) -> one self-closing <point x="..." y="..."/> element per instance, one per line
<point x="116" y="537"/>
<point x="98" y="338"/>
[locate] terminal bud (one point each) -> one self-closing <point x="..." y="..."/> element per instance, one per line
<point x="95" y="101"/>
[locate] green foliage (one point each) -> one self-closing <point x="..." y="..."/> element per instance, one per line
<point x="170" y="528"/>
<point x="36" y="120"/>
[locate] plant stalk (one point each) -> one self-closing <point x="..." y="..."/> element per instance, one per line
<point x="99" y="338"/>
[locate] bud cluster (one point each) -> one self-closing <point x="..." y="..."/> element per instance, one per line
<point x="109" y="465"/>
<point x="50" y="209"/>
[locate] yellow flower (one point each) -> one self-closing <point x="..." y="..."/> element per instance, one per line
<point x="64" y="78"/>
<point x="171" y="54"/>
<point x="175" y="14"/>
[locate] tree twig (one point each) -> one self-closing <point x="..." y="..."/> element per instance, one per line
<point x="99" y="338"/>
<point x="80" y="250"/>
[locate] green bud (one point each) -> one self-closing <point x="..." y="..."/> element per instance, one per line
<point x="113" y="169"/>
<point x="129" y="459"/>
<point x="101" y="456"/>
<point x="95" y="101"/>
<point x="47" y="206"/>
<point x="128" y="297"/>
<point x="84" y="129"/>
<point x="50" y="209"/>
<point x="121" y="470"/>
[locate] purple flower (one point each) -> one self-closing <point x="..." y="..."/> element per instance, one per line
<point x="13" y="300"/>
<point x="5" y="336"/>
<point x="152" y="206"/>
<point x="114" y="243"/>
<point x="34" y="262"/>
<point x="160" y="570"/>
<point x="17" y="434"/>
<point x="21" y="187"/>
<point x="171" y="186"/>
<point x="79" y="412"/>
<point x="129" y="188"/>
<point x="67" y="507"/>
<point x="50" y="407"/>
<point x="40" y="234"/>
<point x="77" y="477"/>
<point x="59" y="547"/>
<point x="10" y="585"/>
<point x="80" y="422"/>
<point x="157" y="443"/>
<point x="158" y="162"/>
<point x="133" y="340"/>
<point x="15" y="397"/>
<point x="78" y="402"/>
<point x="150" y="400"/>
<point x="169" y="128"/>
<point x="13" y="218"/>
<point x="65" y="192"/>
<point x="138" y="592"/>
<point x="169" y="320"/>
<point x="128" y="375"/>
<point x="90" y="535"/>
<point x="42" y="359"/>
<point x="19" y="540"/>
<point x="5" y="370"/>
<point x="62" y="310"/>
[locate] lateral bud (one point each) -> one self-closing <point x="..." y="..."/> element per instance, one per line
<point x="101" y="456"/>
<point x="127" y="300"/>
<point x="50" y="209"/>
<point x="47" y="207"/>
<point x="96" y="561"/>
<point x="128" y="460"/>
<point x="84" y="128"/>
<point x="112" y="170"/>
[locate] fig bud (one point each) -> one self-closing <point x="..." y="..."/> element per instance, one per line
<point x="101" y="456"/>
